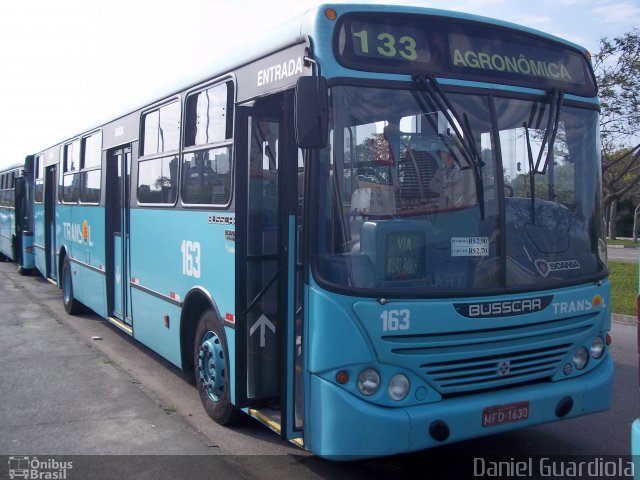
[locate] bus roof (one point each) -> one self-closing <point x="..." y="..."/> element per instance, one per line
<point x="299" y="29"/>
<point x="15" y="166"/>
<point x="343" y="8"/>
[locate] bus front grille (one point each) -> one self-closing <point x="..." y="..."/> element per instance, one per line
<point x="468" y="361"/>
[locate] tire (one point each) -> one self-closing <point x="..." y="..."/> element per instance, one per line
<point x="211" y="369"/>
<point x="23" y="271"/>
<point x="71" y="305"/>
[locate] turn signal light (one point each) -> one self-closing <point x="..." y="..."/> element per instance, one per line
<point x="342" y="377"/>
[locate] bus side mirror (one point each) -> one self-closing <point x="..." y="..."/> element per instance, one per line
<point x="311" y="112"/>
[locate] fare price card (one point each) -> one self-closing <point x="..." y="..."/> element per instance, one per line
<point x="470" y="246"/>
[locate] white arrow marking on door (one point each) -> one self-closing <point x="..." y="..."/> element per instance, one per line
<point x="263" y="322"/>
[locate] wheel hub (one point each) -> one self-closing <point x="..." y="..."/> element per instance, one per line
<point x="211" y="366"/>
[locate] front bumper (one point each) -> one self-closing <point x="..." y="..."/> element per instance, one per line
<point x="341" y="426"/>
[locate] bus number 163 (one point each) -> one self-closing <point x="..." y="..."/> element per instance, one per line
<point x="190" y="258"/>
<point x="393" y="320"/>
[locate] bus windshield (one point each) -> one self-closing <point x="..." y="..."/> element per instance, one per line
<point x="404" y="208"/>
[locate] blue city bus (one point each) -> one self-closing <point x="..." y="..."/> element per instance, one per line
<point x="16" y="232"/>
<point x="378" y="232"/>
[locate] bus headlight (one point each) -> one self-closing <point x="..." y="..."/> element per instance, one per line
<point x="368" y="381"/>
<point x="398" y="387"/>
<point x="580" y="358"/>
<point x="597" y="347"/>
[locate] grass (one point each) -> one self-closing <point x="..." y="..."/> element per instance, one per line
<point x="624" y="287"/>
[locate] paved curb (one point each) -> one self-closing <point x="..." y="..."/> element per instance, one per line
<point x="620" y="318"/>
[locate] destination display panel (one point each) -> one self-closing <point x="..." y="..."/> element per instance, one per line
<point x="460" y="49"/>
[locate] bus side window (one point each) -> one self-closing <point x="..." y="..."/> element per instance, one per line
<point x="91" y="162"/>
<point x="158" y="176"/>
<point x="39" y="182"/>
<point x="157" y="181"/>
<point x="161" y="129"/>
<point x="206" y="176"/>
<point x="70" y="167"/>
<point x="206" y="166"/>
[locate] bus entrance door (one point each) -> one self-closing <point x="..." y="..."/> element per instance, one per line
<point x="20" y="217"/>
<point x="50" y="193"/>
<point x="265" y="268"/>
<point x="117" y="233"/>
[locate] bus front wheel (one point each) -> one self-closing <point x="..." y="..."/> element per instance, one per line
<point x="212" y="369"/>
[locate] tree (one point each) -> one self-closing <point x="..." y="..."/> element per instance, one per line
<point x="620" y="177"/>
<point x="617" y="69"/>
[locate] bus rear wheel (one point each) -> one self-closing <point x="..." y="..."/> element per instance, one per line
<point x="212" y="369"/>
<point x="71" y="305"/>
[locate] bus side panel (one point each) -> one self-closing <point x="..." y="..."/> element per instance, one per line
<point x="7" y="231"/>
<point x="94" y="289"/>
<point x="172" y="252"/>
<point x="64" y="242"/>
<point x="86" y="234"/>
<point x="39" y="238"/>
<point x="12" y="233"/>
<point x="152" y="314"/>
<point x="4" y="228"/>
<point x="28" y="252"/>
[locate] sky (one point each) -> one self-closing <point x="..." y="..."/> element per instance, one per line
<point x="69" y="65"/>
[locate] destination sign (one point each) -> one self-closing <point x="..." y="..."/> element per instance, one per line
<point x="489" y="56"/>
<point x="453" y="48"/>
<point x="389" y="42"/>
<point x="405" y="255"/>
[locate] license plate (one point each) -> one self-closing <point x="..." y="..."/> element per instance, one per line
<point x="501" y="414"/>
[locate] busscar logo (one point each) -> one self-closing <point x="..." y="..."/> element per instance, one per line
<point x="545" y="268"/>
<point x="503" y="308"/>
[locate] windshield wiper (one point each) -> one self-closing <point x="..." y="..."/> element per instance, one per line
<point x="467" y="141"/>
<point x="440" y="99"/>
<point x="555" y="106"/>
<point x="553" y="122"/>
<point x="532" y="171"/>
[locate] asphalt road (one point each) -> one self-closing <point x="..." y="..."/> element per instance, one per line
<point x="623" y="254"/>
<point x="78" y="386"/>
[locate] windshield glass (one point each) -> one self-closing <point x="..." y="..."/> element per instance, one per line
<point x="403" y="205"/>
